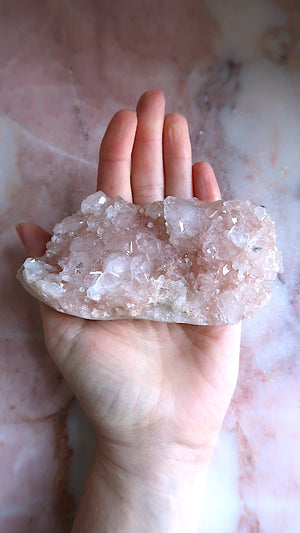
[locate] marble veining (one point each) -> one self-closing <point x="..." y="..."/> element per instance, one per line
<point x="233" y="69"/>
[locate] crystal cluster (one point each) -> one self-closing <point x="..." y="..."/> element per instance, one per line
<point x="175" y="260"/>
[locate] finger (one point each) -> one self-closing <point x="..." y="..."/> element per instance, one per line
<point x="205" y="185"/>
<point x="34" y="238"/>
<point x="177" y="154"/>
<point x="147" y="175"/>
<point x="115" y="155"/>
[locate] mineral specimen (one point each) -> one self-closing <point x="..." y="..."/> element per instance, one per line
<point x="175" y="260"/>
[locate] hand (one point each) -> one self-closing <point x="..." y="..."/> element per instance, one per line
<point x="156" y="393"/>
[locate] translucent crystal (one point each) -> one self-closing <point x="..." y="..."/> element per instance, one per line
<point x="174" y="261"/>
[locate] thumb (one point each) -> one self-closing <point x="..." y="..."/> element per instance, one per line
<point x="33" y="237"/>
<point x="59" y="329"/>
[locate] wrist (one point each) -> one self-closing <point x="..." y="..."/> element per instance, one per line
<point x="153" y="489"/>
<point x="143" y="489"/>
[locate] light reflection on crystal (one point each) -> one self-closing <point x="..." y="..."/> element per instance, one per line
<point x="225" y="270"/>
<point x="102" y="200"/>
<point x="211" y="250"/>
<point x="181" y="226"/>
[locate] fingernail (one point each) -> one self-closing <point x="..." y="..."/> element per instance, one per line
<point x="19" y="230"/>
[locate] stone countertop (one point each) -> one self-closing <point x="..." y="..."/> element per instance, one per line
<point x="233" y="69"/>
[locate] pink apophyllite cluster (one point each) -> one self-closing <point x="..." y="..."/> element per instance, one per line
<point x="175" y="260"/>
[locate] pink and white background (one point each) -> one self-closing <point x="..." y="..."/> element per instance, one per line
<point x="233" y="69"/>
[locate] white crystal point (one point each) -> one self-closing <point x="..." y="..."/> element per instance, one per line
<point x="175" y="260"/>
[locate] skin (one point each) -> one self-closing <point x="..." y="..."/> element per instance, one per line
<point x="156" y="393"/>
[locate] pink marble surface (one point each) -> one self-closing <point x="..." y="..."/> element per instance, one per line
<point x="233" y="68"/>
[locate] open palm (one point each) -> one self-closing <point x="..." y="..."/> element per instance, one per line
<point x="141" y="381"/>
